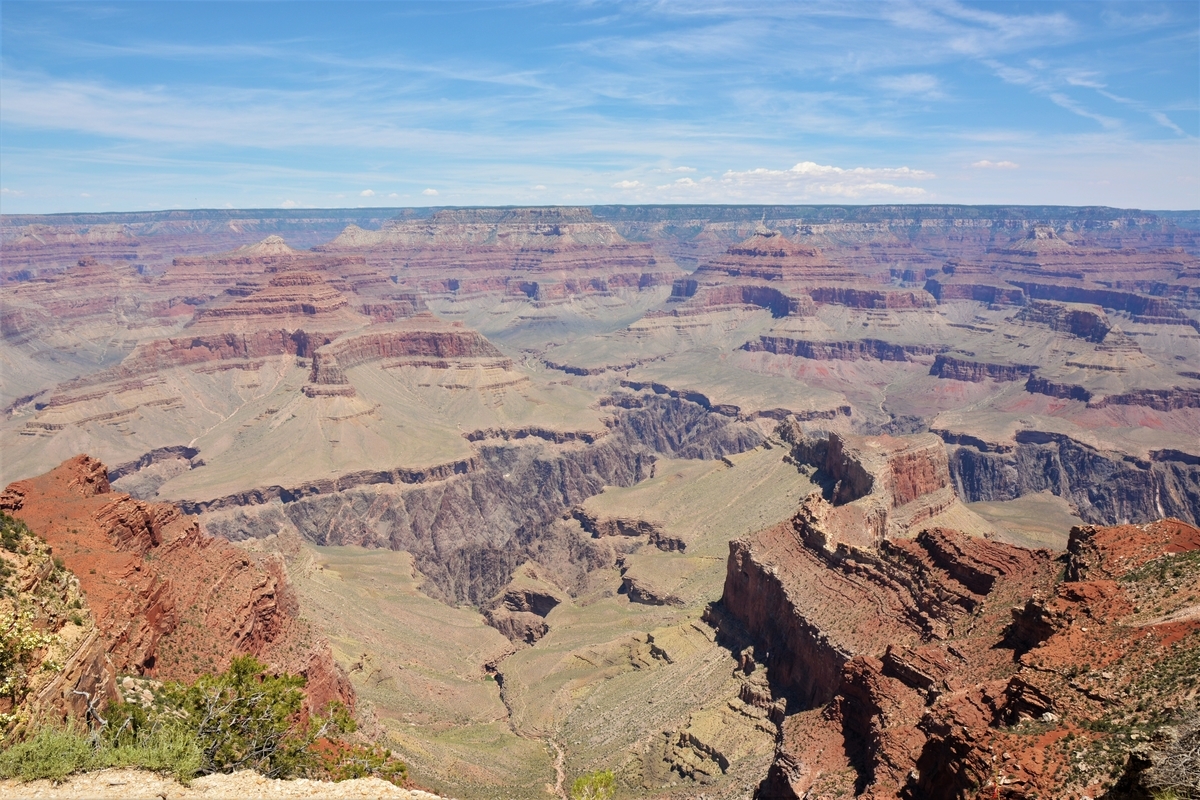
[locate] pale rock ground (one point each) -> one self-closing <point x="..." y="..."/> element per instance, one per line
<point x="134" y="784"/>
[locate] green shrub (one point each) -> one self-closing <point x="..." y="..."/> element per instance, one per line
<point x="170" y="749"/>
<point x="244" y="718"/>
<point x="52" y="753"/>
<point x="11" y="532"/>
<point x="55" y="753"/>
<point x="339" y="761"/>
<point x="19" y="643"/>
<point x="600" y="785"/>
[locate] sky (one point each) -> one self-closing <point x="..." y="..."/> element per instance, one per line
<point x="117" y="106"/>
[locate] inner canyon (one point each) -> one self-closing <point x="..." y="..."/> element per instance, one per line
<point x="733" y="501"/>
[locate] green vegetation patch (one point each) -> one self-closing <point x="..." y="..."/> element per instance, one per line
<point x="1166" y="568"/>
<point x="243" y="718"/>
<point x="600" y="785"/>
<point x="12" y="531"/>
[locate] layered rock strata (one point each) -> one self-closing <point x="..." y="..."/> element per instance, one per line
<point x="470" y="525"/>
<point x="544" y="254"/>
<point x="170" y="601"/>
<point x="941" y="665"/>
<point x="1102" y="486"/>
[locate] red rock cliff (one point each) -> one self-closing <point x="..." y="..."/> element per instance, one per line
<point x="169" y="600"/>
<point x="947" y="667"/>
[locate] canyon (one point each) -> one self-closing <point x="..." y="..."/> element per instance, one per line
<point x="778" y="501"/>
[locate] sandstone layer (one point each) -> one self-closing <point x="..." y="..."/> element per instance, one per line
<point x="943" y="664"/>
<point x="169" y="601"/>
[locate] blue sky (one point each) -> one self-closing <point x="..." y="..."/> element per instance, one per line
<point x="130" y="106"/>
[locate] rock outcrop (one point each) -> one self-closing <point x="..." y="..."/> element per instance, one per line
<point x="544" y="254"/>
<point x="855" y="350"/>
<point x="962" y="369"/>
<point x="942" y="665"/>
<point x="169" y="601"/>
<point x="519" y="610"/>
<point x="420" y="339"/>
<point x="1084" y="322"/>
<point x="699" y="299"/>
<point x="469" y="525"/>
<point x="769" y="255"/>
<point x="1103" y="486"/>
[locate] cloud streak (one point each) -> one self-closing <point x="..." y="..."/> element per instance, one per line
<point x="661" y="102"/>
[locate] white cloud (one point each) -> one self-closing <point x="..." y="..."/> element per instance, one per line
<point x="539" y="188"/>
<point x="805" y="182"/>
<point x="84" y="194"/>
<point x="393" y="194"/>
<point x="12" y="192"/>
<point x="1165" y="121"/>
<point x="810" y="179"/>
<point x="289" y="204"/>
<point x="367" y="193"/>
<point x="430" y="192"/>
<point x="920" y="84"/>
<point x="627" y="184"/>
<point x="677" y="169"/>
<point x="1062" y="101"/>
<point x="985" y="164"/>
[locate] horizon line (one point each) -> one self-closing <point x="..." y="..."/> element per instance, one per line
<point x="356" y="209"/>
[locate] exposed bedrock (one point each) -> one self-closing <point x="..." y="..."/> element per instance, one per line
<point x="899" y="299"/>
<point x="725" y="409"/>
<point x="946" y="291"/>
<point x="469" y="532"/>
<point x="854" y="544"/>
<point x="1135" y="304"/>
<point x="1171" y="399"/>
<point x="908" y="667"/>
<point x="198" y="350"/>
<point x="1105" y="488"/>
<point x="1084" y="323"/>
<point x="174" y="453"/>
<point x="520" y="613"/>
<point x="909" y="591"/>
<point x="169" y="600"/>
<point x="770" y="298"/>
<point x="853" y="350"/>
<point x="961" y="369"/>
<point x="435" y="342"/>
<point x="873" y="487"/>
<point x="142" y="477"/>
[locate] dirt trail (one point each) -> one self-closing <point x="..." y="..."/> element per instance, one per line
<point x="559" y="773"/>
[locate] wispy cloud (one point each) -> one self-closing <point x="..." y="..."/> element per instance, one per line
<point x="918" y="83"/>
<point x="809" y="180"/>
<point x="660" y="102"/>
<point x="1165" y="121"/>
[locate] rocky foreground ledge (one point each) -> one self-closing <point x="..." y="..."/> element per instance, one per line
<point x="134" y="784"/>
